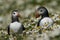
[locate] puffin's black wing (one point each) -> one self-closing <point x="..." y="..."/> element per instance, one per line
<point x="8" y="30"/>
<point x="23" y="27"/>
<point x="38" y="23"/>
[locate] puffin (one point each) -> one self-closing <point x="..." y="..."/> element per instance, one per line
<point x="15" y="26"/>
<point x="45" y="21"/>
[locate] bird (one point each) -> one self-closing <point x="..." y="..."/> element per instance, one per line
<point x="15" y="26"/>
<point x="45" y="21"/>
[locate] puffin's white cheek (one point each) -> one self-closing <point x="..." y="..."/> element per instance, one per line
<point x="40" y="12"/>
<point x="15" y="14"/>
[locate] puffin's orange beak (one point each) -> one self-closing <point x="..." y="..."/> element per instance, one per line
<point x="37" y="14"/>
<point x="18" y="15"/>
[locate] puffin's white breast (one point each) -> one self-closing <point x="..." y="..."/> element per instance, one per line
<point x="46" y="22"/>
<point x="15" y="26"/>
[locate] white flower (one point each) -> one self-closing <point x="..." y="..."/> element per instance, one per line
<point x="54" y="33"/>
<point x="45" y="36"/>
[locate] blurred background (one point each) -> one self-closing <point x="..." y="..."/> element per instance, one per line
<point x="27" y="9"/>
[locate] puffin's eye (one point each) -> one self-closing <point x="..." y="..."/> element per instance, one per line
<point x="41" y="10"/>
<point x="13" y="13"/>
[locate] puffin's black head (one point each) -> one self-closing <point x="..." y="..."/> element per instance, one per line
<point x="42" y="11"/>
<point x="15" y="13"/>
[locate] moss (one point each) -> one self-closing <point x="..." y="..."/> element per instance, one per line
<point x="58" y="22"/>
